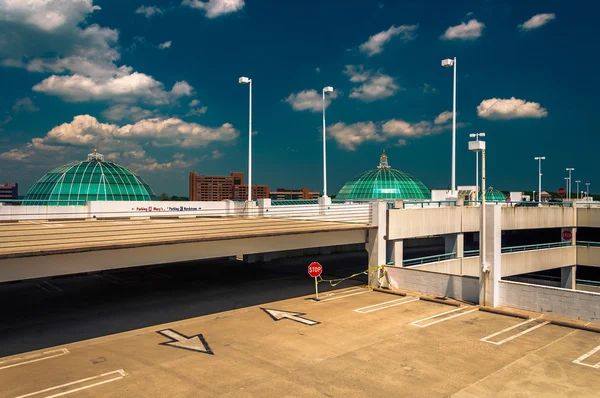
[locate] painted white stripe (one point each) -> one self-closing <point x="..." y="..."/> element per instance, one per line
<point x="579" y="361"/>
<point x="443" y="319"/>
<point x="40" y="356"/>
<point x="514" y="336"/>
<point x="341" y="297"/>
<point x="121" y="375"/>
<point x="380" y="306"/>
<point x="354" y="289"/>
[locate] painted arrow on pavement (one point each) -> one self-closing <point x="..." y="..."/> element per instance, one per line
<point x="278" y="315"/>
<point x="195" y="343"/>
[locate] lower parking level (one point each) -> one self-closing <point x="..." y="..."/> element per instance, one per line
<point x="352" y="343"/>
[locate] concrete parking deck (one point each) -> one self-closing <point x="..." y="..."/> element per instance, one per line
<point x="46" y="237"/>
<point x="359" y="343"/>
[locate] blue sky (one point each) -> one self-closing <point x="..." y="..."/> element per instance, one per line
<point x="154" y="86"/>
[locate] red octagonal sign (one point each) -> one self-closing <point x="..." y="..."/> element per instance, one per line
<point x="561" y="191"/>
<point x="315" y="269"/>
<point x="567" y="235"/>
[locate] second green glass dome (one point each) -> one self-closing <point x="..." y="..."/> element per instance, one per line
<point x="384" y="183"/>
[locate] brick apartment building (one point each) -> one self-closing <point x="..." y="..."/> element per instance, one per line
<point x="9" y="190"/>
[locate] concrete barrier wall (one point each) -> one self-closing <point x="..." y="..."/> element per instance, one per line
<point x="414" y="223"/>
<point x="471" y="219"/>
<point x="16" y="213"/>
<point x="537" y="217"/>
<point x="458" y="287"/>
<point x="588" y="217"/>
<point x="538" y="260"/>
<point x="452" y="267"/>
<point x="550" y="300"/>
<point x="589" y="256"/>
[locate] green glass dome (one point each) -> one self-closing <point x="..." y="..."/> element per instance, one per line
<point x="78" y="182"/>
<point x="493" y="195"/>
<point x="384" y="183"/>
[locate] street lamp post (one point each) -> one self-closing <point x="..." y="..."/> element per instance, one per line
<point x="447" y="63"/>
<point x="327" y="89"/>
<point x="587" y="186"/>
<point x="245" y="80"/>
<point x="476" y="136"/>
<point x="477" y="146"/>
<point x="539" y="159"/>
<point x="577" y="191"/>
<point x="569" y="169"/>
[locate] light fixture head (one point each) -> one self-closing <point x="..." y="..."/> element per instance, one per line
<point x="447" y="62"/>
<point x="244" y="80"/>
<point x="328" y="89"/>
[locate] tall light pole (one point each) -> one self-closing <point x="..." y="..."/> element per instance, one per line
<point x="476" y="136"/>
<point x="539" y="159"/>
<point x="569" y="169"/>
<point x="447" y="63"/>
<point x="577" y="191"/>
<point x="484" y="270"/>
<point x="245" y="80"/>
<point x="587" y="186"/>
<point x="327" y="89"/>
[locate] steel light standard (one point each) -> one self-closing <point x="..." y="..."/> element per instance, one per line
<point x="587" y="186"/>
<point x="476" y="136"/>
<point x="577" y="191"/>
<point x="447" y="63"/>
<point x="245" y="80"/>
<point x="539" y="159"/>
<point x="569" y="169"/>
<point x="477" y="146"/>
<point x="327" y="89"/>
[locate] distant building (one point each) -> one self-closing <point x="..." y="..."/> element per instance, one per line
<point x="215" y="188"/>
<point x="291" y="194"/>
<point x="9" y="190"/>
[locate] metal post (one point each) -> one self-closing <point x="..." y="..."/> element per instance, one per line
<point x="577" y="191"/>
<point x="250" y="147"/>
<point x="316" y="289"/>
<point x="324" y="151"/>
<point x="540" y="181"/>
<point x="477" y="174"/>
<point x="482" y="235"/>
<point x="454" y="134"/>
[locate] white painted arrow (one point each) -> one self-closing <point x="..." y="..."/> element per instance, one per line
<point x="293" y="316"/>
<point x="195" y="343"/>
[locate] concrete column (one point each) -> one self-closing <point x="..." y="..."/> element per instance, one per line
<point x="395" y="252"/>
<point x="455" y="243"/>
<point x="488" y="279"/>
<point x="376" y="244"/>
<point x="568" y="277"/>
<point x="250" y="209"/>
<point x="324" y="201"/>
<point x="263" y="206"/>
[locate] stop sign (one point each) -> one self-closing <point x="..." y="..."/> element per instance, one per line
<point x="567" y="235"/>
<point x="508" y="199"/>
<point x="315" y="269"/>
<point x="561" y="191"/>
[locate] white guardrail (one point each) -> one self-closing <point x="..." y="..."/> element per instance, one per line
<point x="337" y="212"/>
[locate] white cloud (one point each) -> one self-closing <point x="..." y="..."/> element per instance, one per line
<point x="443" y="117"/>
<point x="46" y="15"/>
<point x="317" y="69"/>
<point x="351" y="135"/>
<point x="127" y="142"/>
<point x="376" y="42"/>
<point x="356" y="73"/>
<point x="309" y="100"/>
<point x="216" y="154"/>
<point x="428" y="88"/>
<point x="165" y="45"/>
<point x="215" y="8"/>
<point x="194" y="103"/>
<point x="396" y="130"/>
<point x="78" y="88"/>
<point x="51" y="36"/>
<point x="124" y="111"/>
<point x="496" y="108"/>
<point x="149" y="11"/>
<point x="465" y="31"/>
<point x="375" y="86"/>
<point x="24" y="104"/>
<point x="536" y="21"/>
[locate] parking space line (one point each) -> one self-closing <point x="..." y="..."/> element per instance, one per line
<point x="49" y="287"/>
<point x="40" y="356"/>
<point x="341" y="297"/>
<point x="417" y="323"/>
<point x="514" y="336"/>
<point x="382" y="306"/>
<point x="121" y="374"/>
<point x="579" y="361"/>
